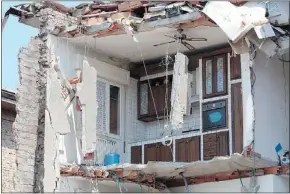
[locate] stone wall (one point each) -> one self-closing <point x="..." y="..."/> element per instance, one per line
<point x="8" y="150"/>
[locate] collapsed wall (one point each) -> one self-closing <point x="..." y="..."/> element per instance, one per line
<point x="30" y="122"/>
<point x="28" y="97"/>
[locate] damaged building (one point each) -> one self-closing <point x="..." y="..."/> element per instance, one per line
<point x="152" y="96"/>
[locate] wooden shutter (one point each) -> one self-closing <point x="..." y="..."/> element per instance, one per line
<point x="163" y="153"/>
<point x="235" y="67"/>
<point x="209" y="146"/>
<point x="216" y="144"/>
<point x="187" y="149"/>
<point x="150" y="152"/>
<point x="237" y="117"/>
<point x="222" y="144"/>
<point x="136" y="155"/>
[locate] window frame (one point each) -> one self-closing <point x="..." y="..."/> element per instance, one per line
<point x="214" y="76"/>
<point x="121" y="107"/>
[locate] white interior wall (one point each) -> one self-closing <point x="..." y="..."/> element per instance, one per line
<point x="266" y="185"/>
<point x="135" y="129"/>
<point x="191" y="122"/>
<point x="70" y="59"/>
<point x="143" y="131"/>
<point x="271" y="104"/>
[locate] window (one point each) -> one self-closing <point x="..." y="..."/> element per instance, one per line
<point x="114" y="110"/>
<point x="108" y="108"/>
<point x="214" y="76"/>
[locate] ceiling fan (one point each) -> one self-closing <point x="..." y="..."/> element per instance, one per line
<point x="183" y="39"/>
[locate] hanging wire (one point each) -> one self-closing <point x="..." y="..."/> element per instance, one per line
<point x="154" y="104"/>
<point x="185" y="182"/>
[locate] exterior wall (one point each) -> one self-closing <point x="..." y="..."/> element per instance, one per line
<point x="268" y="183"/>
<point x="271" y="104"/>
<point x="8" y="149"/>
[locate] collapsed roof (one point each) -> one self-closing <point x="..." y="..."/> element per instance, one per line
<point x="237" y="23"/>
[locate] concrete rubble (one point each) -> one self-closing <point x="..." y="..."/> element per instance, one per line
<point x="100" y="19"/>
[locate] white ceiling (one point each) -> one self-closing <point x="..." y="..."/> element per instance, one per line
<point x="123" y="46"/>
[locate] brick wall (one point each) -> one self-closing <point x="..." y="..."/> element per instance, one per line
<point x="8" y="150"/>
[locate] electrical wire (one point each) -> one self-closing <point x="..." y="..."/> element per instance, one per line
<point x="253" y="100"/>
<point x="145" y="69"/>
<point x="185" y="182"/>
<point x="284" y="61"/>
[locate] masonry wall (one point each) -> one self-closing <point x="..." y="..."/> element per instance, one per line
<point x="271" y="104"/>
<point x="8" y="150"/>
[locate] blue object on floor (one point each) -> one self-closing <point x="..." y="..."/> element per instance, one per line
<point x="278" y="148"/>
<point x="112" y="158"/>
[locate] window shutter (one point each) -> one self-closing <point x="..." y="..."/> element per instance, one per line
<point x="86" y="91"/>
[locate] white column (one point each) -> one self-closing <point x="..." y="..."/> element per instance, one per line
<point x="248" y="110"/>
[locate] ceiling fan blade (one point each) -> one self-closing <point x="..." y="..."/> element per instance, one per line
<point x="163" y="43"/>
<point x="169" y="36"/>
<point x="189" y="46"/>
<point x="195" y="39"/>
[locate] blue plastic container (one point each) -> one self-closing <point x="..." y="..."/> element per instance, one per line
<point x="111" y="158"/>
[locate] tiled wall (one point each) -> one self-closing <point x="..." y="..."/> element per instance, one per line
<point x="190" y="122"/>
<point x="135" y="129"/>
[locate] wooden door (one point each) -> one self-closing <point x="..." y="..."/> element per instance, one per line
<point x="187" y="149"/>
<point x="237" y="117"/>
<point x="136" y="154"/>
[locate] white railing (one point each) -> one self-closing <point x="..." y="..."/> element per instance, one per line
<point x="104" y="145"/>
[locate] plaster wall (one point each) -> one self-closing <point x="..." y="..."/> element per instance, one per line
<point x="271" y="104"/>
<point x="267" y="184"/>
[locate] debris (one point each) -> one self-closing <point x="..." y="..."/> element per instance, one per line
<point x="236" y="22"/>
<point x="148" y="17"/>
<point x="264" y="31"/>
<point x="129" y="5"/>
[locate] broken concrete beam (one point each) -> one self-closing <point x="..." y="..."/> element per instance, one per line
<point x="170" y="21"/>
<point x="87" y="93"/>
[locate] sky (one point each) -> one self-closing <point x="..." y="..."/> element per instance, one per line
<point x="14" y="36"/>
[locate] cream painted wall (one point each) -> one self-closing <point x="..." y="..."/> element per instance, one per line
<point x="271" y="104"/>
<point x="268" y="183"/>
